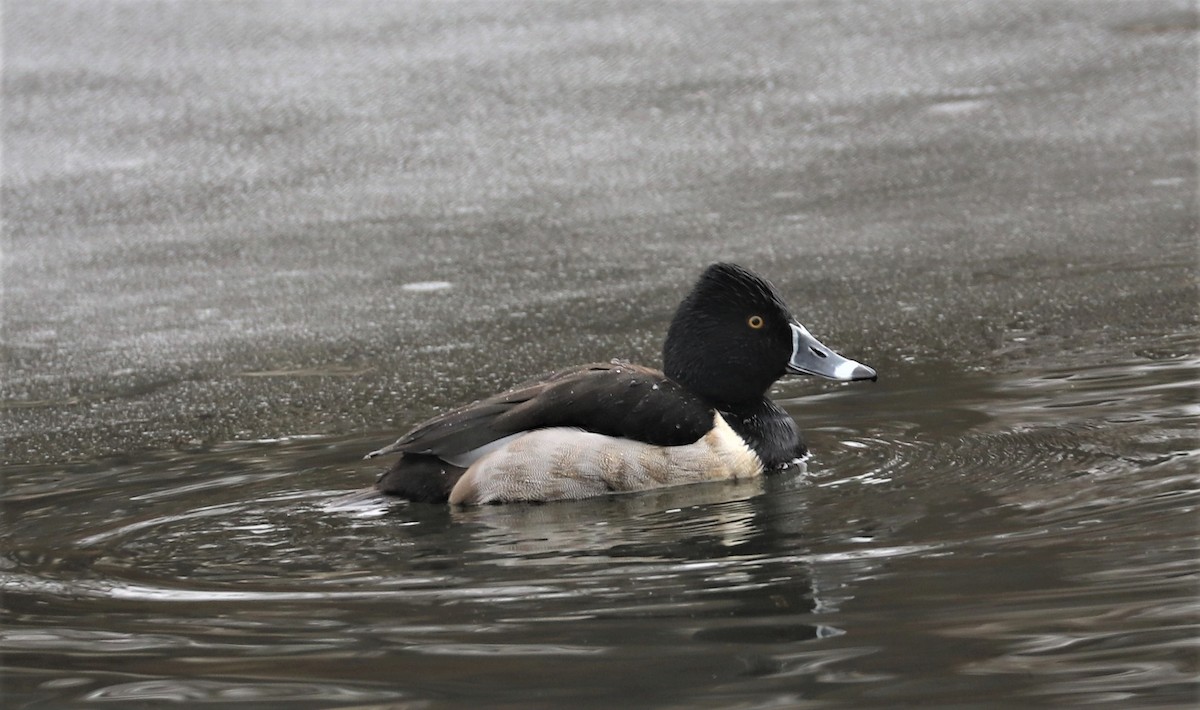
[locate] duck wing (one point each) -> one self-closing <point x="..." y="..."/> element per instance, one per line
<point x="615" y="399"/>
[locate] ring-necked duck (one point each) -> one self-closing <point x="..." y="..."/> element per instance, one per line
<point x="616" y="427"/>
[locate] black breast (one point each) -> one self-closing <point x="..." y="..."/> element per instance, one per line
<point x="769" y="431"/>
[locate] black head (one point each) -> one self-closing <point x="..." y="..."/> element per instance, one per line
<point x="730" y="338"/>
<point x="733" y="336"/>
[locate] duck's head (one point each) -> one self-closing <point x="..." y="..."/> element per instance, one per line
<point x="733" y="336"/>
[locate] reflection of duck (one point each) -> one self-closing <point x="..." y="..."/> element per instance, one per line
<point x="619" y="427"/>
<point x="715" y="519"/>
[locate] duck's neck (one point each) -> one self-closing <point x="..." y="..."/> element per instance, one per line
<point x="767" y="429"/>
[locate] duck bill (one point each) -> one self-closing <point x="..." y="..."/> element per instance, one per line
<point x="811" y="357"/>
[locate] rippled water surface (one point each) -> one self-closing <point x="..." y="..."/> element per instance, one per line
<point x="1024" y="536"/>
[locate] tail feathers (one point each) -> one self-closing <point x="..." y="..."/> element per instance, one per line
<point x="420" y="478"/>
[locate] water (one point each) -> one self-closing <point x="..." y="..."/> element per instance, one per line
<point x="232" y="221"/>
<point x="1025" y="534"/>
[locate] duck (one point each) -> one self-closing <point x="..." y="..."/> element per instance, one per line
<point x="618" y="427"/>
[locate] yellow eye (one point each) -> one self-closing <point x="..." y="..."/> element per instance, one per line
<point x="755" y="322"/>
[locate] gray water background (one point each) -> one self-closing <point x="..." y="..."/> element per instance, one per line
<point x="246" y="243"/>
